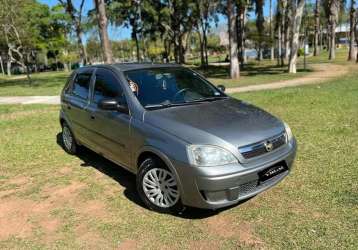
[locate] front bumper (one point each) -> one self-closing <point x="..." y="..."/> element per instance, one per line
<point x="216" y="187"/>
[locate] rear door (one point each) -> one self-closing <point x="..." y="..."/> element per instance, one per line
<point x="112" y="128"/>
<point x="75" y="103"/>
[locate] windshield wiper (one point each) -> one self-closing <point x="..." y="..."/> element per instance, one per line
<point x="169" y="104"/>
<point x="210" y="99"/>
<point x="165" y="105"/>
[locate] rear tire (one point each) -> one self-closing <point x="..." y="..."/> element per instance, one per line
<point x="157" y="187"/>
<point x="68" y="140"/>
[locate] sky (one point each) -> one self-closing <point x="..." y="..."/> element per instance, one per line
<point x="120" y="33"/>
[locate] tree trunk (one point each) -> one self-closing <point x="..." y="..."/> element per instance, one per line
<point x="83" y="52"/>
<point x="2" y="66"/>
<point x="288" y="31"/>
<point x="240" y="26"/>
<point x="8" y="63"/>
<point x="271" y="34"/>
<point x="356" y="32"/>
<point x="296" y="24"/>
<point x="260" y="20"/>
<point x="135" y="37"/>
<point x="205" y="38"/>
<point x="332" y="42"/>
<point x="334" y="6"/>
<point x="352" y="15"/>
<point x="8" y="68"/>
<point x="202" y="58"/>
<point x="102" y="25"/>
<point x="279" y="44"/>
<point x="234" y="60"/>
<point x="316" y="50"/>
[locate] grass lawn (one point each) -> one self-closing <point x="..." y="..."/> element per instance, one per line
<point x="49" y="199"/>
<point x="49" y="83"/>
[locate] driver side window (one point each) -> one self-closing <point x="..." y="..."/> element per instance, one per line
<point x="107" y="87"/>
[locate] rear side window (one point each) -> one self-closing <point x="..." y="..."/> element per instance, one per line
<point x="81" y="85"/>
<point x="107" y="87"/>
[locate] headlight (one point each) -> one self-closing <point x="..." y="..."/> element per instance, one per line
<point x="288" y="132"/>
<point x="208" y="156"/>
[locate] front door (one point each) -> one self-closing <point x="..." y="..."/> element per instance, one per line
<point x="111" y="128"/>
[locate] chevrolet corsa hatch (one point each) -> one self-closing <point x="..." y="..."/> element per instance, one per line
<point x="188" y="143"/>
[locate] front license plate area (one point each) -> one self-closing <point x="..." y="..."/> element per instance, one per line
<point x="272" y="171"/>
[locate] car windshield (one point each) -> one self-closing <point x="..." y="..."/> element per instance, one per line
<point x="164" y="87"/>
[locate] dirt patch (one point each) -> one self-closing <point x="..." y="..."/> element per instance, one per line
<point x="65" y="192"/>
<point x="246" y="236"/>
<point x="322" y="73"/>
<point x="128" y="245"/>
<point x="204" y="245"/>
<point x="14" y="218"/>
<point x="50" y="225"/>
<point x="94" y="208"/>
<point x="65" y="170"/>
<point x="89" y="240"/>
<point x="18" y="216"/>
<point x="223" y="226"/>
<point x="6" y="193"/>
<point x="20" y="180"/>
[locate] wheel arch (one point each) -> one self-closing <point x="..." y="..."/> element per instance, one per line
<point x="148" y="151"/>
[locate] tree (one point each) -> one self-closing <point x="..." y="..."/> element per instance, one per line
<point x="272" y="34"/>
<point x="207" y="14"/>
<point x="76" y="17"/>
<point x="317" y="26"/>
<point x="260" y="20"/>
<point x="141" y="16"/>
<point x="241" y="20"/>
<point x="234" y="60"/>
<point x="297" y="8"/>
<point x="355" y="28"/>
<point x="352" y="17"/>
<point x="24" y="25"/>
<point x="332" y="8"/>
<point x="278" y="28"/>
<point x="102" y="26"/>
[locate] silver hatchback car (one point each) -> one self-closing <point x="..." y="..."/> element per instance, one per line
<point x="188" y="143"/>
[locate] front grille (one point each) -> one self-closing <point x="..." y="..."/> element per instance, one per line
<point x="247" y="188"/>
<point x="261" y="148"/>
<point x="253" y="186"/>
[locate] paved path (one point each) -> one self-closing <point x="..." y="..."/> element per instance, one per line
<point x="30" y="100"/>
<point x="322" y="73"/>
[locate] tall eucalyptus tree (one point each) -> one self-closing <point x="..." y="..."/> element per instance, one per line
<point x="102" y="26"/>
<point x="260" y="21"/>
<point x="317" y="25"/>
<point x="352" y="27"/>
<point x="233" y="48"/>
<point x="297" y="9"/>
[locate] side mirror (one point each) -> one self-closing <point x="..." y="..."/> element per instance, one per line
<point x="112" y="105"/>
<point x="221" y="88"/>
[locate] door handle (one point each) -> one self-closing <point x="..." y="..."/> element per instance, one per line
<point x="68" y="106"/>
<point x="93" y="117"/>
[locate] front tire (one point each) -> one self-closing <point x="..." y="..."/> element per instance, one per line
<point x="68" y="140"/>
<point x="157" y="187"/>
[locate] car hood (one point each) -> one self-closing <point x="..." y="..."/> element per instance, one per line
<point x="231" y="120"/>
